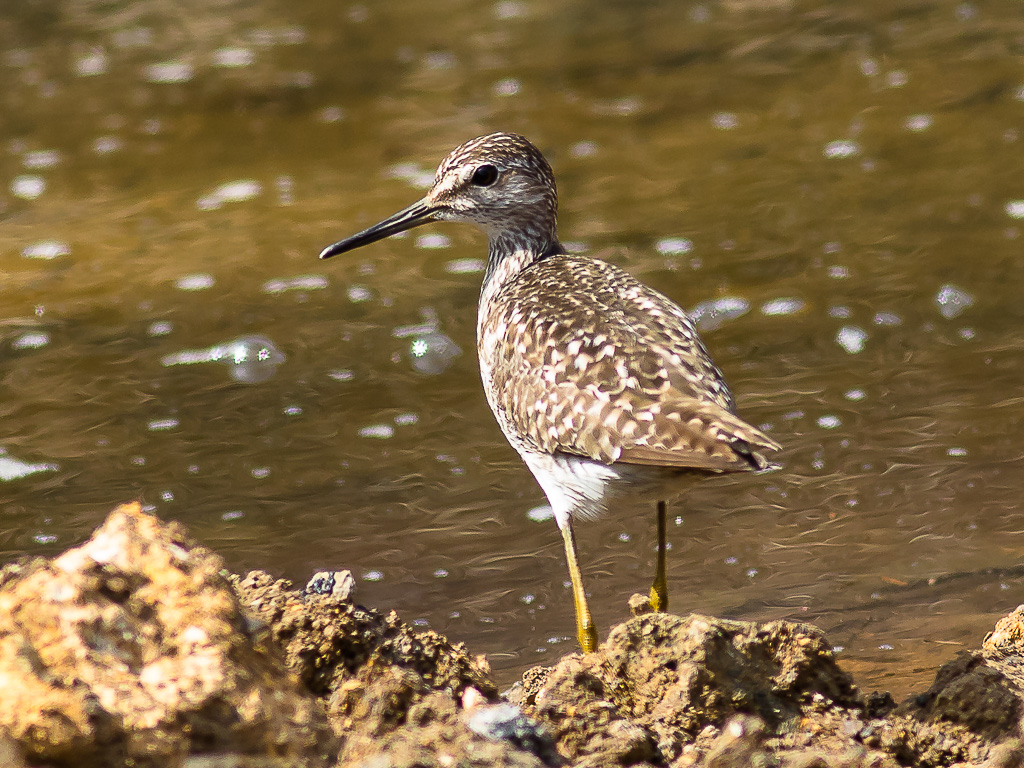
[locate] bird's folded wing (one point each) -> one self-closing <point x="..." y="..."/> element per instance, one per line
<point x="604" y="367"/>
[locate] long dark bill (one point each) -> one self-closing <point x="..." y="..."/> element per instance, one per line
<point x="418" y="213"/>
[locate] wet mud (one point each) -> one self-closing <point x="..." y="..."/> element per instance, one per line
<point x="139" y="648"/>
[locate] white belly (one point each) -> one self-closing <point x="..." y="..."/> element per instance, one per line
<point x="578" y="487"/>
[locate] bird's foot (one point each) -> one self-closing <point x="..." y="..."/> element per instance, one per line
<point x="659" y="596"/>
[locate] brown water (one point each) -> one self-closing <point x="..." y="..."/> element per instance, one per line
<point x="847" y="179"/>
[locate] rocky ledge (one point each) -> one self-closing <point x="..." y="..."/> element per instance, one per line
<point x="139" y="649"/>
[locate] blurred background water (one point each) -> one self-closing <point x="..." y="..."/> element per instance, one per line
<point x="835" y="189"/>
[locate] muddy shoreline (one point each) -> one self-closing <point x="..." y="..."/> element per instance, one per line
<point x="139" y="648"/>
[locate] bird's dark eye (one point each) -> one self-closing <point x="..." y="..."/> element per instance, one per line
<point x="485" y="175"/>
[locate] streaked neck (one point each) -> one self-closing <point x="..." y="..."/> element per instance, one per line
<point x="508" y="257"/>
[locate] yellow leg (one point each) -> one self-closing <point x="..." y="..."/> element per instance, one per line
<point x="659" y="589"/>
<point x="585" y="630"/>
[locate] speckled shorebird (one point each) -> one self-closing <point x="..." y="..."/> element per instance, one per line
<point x="600" y="383"/>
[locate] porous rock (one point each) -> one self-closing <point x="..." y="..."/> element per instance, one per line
<point x="394" y="694"/>
<point x="659" y="680"/>
<point x="710" y="693"/>
<point x="976" y="701"/>
<point x="133" y="649"/>
<point x="329" y="640"/>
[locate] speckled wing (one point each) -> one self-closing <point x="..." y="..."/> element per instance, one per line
<point x="595" y="363"/>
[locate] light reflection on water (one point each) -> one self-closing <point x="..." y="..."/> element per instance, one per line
<point x="836" y="194"/>
<point x="249" y="359"/>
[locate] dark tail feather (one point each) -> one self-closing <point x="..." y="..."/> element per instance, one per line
<point x="757" y="460"/>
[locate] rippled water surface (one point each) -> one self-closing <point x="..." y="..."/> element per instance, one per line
<point x="837" y="191"/>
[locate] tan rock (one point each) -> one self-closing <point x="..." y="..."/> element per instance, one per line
<point x="134" y="648"/>
<point x="396" y="696"/>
